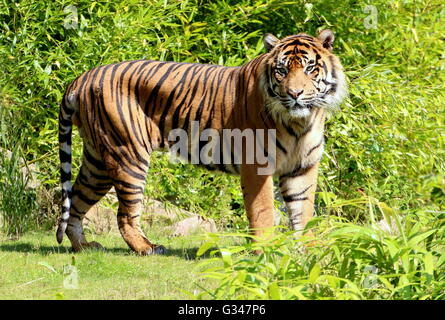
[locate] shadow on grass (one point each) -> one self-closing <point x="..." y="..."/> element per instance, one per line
<point x="27" y="247"/>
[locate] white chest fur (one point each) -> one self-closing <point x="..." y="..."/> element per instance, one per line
<point x="301" y="143"/>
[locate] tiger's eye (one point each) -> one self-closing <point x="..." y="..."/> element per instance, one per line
<point x="309" y="69"/>
<point x="281" y="71"/>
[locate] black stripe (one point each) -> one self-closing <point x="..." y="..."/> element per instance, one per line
<point x="84" y="197"/>
<point x="293" y="199"/>
<point x="113" y="76"/>
<point x="120" y="105"/>
<point x="64" y="122"/>
<point x="119" y="156"/>
<point x="64" y="156"/>
<point x="129" y="202"/>
<point x="271" y="92"/>
<point x="334" y="74"/>
<point x="65" y="176"/>
<point x="67" y="110"/>
<point x="93" y="99"/>
<point x="298" y="171"/>
<point x="122" y="192"/>
<point x="98" y="176"/>
<point x="121" y="214"/>
<point x="98" y="164"/>
<point x="75" y="215"/>
<point x="294" y="196"/>
<point x="209" y="72"/>
<point x="169" y="104"/>
<point x="97" y="187"/>
<point x="296" y="42"/>
<point x="315" y="147"/>
<point x="307" y="129"/>
<point x="127" y="185"/>
<point x="86" y="181"/>
<point x="65" y="137"/>
<point x="155" y="90"/>
<point x="280" y="146"/>
<point x="66" y="194"/>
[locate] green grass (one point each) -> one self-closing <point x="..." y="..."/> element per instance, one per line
<point x="35" y="267"/>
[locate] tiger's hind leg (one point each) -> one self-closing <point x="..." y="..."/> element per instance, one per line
<point x="91" y="184"/>
<point x="129" y="183"/>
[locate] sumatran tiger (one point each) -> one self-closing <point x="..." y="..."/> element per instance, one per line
<point x="126" y="110"/>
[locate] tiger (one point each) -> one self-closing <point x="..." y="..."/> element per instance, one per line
<point x="125" y="111"/>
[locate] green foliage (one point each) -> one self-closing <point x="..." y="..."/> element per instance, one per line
<point x="184" y="186"/>
<point x="386" y="142"/>
<point x="347" y="261"/>
<point x="17" y="201"/>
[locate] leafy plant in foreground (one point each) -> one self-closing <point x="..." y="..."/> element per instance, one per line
<point x="347" y="261"/>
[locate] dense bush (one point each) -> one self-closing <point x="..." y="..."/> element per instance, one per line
<point x="386" y="143"/>
<point x="349" y="262"/>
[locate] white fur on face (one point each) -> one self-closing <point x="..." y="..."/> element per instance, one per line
<point x="300" y="112"/>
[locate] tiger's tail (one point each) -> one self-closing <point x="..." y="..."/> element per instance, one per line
<point x="67" y="110"/>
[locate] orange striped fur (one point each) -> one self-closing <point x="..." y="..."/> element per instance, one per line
<point x="126" y="110"/>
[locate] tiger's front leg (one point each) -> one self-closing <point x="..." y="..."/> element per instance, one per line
<point x="258" y="199"/>
<point x="298" y="191"/>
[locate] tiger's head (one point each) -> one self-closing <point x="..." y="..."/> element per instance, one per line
<point x="302" y="73"/>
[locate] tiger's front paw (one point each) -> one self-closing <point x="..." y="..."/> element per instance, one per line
<point x="152" y="250"/>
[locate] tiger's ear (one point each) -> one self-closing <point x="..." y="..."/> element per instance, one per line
<point x="327" y="39"/>
<point x="270" y="41"/>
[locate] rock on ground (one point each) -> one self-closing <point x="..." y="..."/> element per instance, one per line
<point x="192" y="225"/>
<point x="179" y="222"/>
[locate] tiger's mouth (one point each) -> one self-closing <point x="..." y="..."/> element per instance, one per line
<point x="298" y="105"/>
<point x="298" y="109"/>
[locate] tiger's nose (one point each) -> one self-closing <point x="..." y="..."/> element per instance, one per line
<point x="295" y="93"/>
